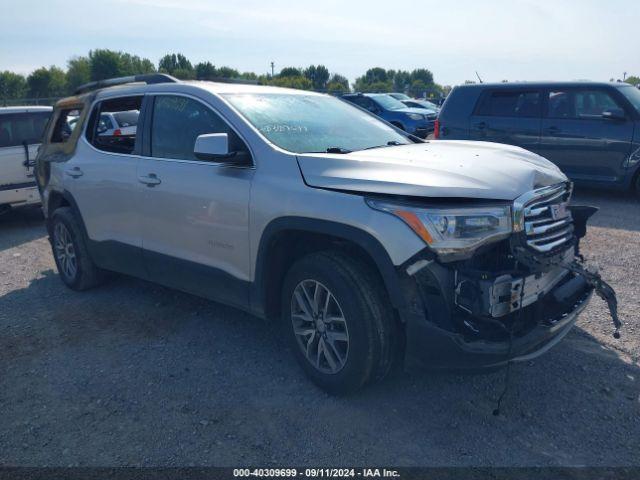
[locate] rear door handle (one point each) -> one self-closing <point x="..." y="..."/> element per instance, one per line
<point x="150" y="180"/>
<point x="480" y="126"/>
<point x="74" y="172"/>
<point x="552" y="130"/>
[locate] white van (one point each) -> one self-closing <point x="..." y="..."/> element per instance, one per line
<point x="21" y="130"/>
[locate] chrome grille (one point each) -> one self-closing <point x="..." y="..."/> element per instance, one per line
<point x="545" y="219"/>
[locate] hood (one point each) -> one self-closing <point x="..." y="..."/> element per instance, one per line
<point x="439" y="168"/>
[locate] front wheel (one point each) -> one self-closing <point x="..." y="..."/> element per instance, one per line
<point x="339" y="324"/>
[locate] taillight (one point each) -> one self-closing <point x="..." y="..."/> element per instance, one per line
<point x="436" y="128"/>
<point x="117" y="132"/>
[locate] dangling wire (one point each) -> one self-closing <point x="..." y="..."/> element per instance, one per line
<point x="507" y="376"/>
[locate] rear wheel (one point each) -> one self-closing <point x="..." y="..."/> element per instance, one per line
<point x="339" y="324"/>
<point x="70" y="252"/>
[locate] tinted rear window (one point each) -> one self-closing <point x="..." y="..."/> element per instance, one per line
<point x="509" y="103"/>
<point x="16" y="128"/>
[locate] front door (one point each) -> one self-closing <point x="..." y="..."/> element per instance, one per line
<point x="195" y="213"/>
<point x="576" y="137"/>
<point x="510" y="116"/>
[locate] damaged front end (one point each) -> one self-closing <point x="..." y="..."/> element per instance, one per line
<point x="512" y="299"/>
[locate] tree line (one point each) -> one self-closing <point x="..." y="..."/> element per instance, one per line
<point x="99" y="64"/>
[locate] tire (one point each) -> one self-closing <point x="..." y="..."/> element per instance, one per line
<point x="367" y="353"/>
<point x="75" y="267"/>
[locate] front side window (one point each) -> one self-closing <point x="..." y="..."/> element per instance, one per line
<point x="302" y="123"/>
<point x="17" y="128"/>
<point x="510" y="103"/>
<point x="579" y="104"/>
<point x="107" y="134"/>
<point x="178" y="121"/>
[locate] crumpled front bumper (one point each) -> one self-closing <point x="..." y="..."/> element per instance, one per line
<point x="441" y="334"/>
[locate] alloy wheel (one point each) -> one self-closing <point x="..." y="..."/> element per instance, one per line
<point x="65" y="251"/>
<point x="319" y="326"/>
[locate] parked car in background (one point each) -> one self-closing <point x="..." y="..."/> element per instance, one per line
<point x="367" y="244"/>
<point x="21" y="130"/>
<point x="421" y="103"/>
<point x="400" y="96"/>
<point x="114" y="124"/>
<point x="590" y="130"/>
<point x="412" y="120"/>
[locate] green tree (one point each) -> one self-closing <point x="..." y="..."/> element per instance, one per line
<point x="319" y="76"/>
<point x="401" y="81"/>
<point x="338" y="84"/>
<point x="248" y="76"/>
<point x="299" y="82"/>
<point x="423" y="75"/>
<point x="418" y="88"/>
<point x="105" y="64"/>
<point x="78" y="72"/>
<point x="228" y="72"/>
<point x="205" y="71"/>
<point x="178" y="65"/>
<point x="290" y="72"/>
<point x="47" y="82"/>
<point x="374" y="80"/>
<point x="134" y="65"/>
<point x="633" y="80"/>
<point x="12" y="85"/>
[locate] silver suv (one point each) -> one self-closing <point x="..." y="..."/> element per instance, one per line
<point x="371" y="246"/>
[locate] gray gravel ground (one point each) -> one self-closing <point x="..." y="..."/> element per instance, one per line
<point x="135" y="374"/>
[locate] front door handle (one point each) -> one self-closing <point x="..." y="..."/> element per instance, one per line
<point x="74" y="172"/>
<point x="150" y="180"/>
<point x="480" y="126"/>
<point x="552" y="130"/>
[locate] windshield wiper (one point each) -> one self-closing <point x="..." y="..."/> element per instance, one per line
<point x="391" y="143"/>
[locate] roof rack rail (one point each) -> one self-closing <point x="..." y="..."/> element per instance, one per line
<point x="149" y="79"/>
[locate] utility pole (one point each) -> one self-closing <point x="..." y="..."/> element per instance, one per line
<point x="624" y="76"/>
<point x="272" y="69"/>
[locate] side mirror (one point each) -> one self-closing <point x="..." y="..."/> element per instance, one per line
<point x="213" y="147"/>
<point x="614" y="114"/>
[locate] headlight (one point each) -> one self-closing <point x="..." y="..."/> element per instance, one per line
<point x="452" y="231"/>
<point x="415" y="116"/>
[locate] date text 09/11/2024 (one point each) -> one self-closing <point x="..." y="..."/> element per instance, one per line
<point x="317" y="472"/>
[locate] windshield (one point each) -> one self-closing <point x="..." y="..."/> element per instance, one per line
<point x="633" y="95"/>
<point x="313" y="123"/>
<point x="388" y="102"/>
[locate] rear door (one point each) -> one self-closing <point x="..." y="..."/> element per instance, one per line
<point x="20" y="135"/>
<point x="102" y="178"/>
<point x="195" y="213"/>
<point x="510" y="116"/>
<point x="576" y="137"/>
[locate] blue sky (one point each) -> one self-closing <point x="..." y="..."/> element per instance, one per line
<point x="502" y="39"/>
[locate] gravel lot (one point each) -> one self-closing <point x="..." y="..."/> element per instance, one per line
<point x="135" y="374"/>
